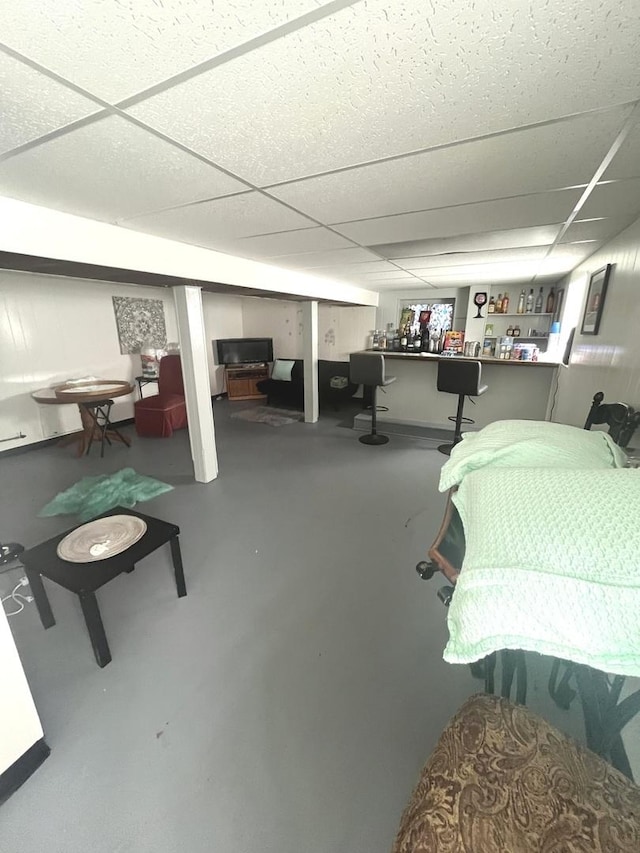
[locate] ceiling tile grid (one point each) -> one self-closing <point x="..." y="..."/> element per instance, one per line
<point x="111" y="170"/>
<point x="548" y="157"/>
<point x="212" y="223"/>
<point x="383" y="78"/>
<point x="117" y="49"/>
<point x="347" y="132"/>
<point x="539" y="209"/>
<point x="34" y="105"/>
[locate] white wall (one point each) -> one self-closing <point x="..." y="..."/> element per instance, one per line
<point x="19" y="723"/>
<point x="222" y="319"/>
<point x="53" y="329"/>
<point x="341" y="330"/>
<point x="610" y="360"/>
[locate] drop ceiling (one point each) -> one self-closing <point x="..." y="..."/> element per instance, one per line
<point x="387" y="143"/>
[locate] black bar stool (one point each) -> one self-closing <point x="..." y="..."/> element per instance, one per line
<point x="463" y="378"/>
<point x="368" y="370"/>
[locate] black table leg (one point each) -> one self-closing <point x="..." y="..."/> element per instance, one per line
<point x="95" y="627"/>
<point x="176" y="556"/>
<point x="41" y="599"/>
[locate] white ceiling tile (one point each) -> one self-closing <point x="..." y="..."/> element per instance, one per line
<point x="380" y="276"/>
<point x="512" y="238"/>
<point x="453" y="259"/>
<point x="557" y="155"/>
<point x="362" y="268"/>
<point x="540" y="209"/>
<point x="110" y="170"/>
<point x="414" y="284"/>
<point x="305" y="240"/>
<point x="573" y="253"/>
<point x="117" y="49"/>
<point x="615" y="199"/>
<point x="381" y="78"/>
<point x="596" y="229"/>
<point x="213" y="224"/>
<point x="626" y="163"/>
<point x="32" y="104"/>
<point x="499" y="271"/>
<point x="466" y="279"/>
<point x="338" y="257"/>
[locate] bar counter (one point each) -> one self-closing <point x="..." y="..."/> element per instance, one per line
<point x="516" y="389"/>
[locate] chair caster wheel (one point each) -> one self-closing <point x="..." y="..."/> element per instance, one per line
<point x="426" y="570"/>
<point x="445" y="594"/>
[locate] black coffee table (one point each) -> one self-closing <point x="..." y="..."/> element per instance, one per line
<point x="85" y="578"/>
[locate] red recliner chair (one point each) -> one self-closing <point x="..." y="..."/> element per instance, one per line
<point x="159" y="416"/>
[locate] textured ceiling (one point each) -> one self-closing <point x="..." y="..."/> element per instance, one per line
<point x="388" y="143"/>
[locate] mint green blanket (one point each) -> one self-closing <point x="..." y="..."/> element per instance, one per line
<point x="530" y="444"/>
<point x="552" y="565"/>
<point x="92" y="496"/>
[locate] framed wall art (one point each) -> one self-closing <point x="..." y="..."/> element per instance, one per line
<point x="140" y="322"/>
<point x="595" y="300"/>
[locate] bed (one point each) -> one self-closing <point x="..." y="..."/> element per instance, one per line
<point x="541" y="550"/>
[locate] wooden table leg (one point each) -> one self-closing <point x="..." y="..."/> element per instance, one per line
<point x="176" y="556"/>
<point x="41" y="598"/>
<point x="95" y="627"/>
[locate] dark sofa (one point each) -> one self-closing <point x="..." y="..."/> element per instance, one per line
<point x="291" y="394"/>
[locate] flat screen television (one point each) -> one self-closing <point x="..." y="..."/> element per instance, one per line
<point x="244" y="350"/>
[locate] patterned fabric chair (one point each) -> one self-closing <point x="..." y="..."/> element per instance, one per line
<point x="160" y="415"/>
<point x="502" y="780"/>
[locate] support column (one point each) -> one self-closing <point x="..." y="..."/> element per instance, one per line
<point x="310" y="355"/>
<point x="195" y="372"/>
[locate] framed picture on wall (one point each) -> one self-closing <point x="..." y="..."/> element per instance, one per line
<point x="595" y="300"/>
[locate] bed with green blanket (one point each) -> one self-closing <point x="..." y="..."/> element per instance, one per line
<point x="548" y="560"/>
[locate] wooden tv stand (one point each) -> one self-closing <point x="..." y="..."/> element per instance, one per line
<point x="241" y="381"/>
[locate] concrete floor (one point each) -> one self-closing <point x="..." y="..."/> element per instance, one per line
<point x="288" y="702"/>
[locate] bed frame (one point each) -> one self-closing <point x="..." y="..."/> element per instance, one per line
<point x="605" y="715"/>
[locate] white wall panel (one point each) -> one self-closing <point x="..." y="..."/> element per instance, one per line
<point x="222" y="319"/>
<point x="341" y="330"/>
<point x="609" y="360"/>
<point x="53" y="329"/>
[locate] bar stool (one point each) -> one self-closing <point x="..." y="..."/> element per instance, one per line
<point x="463" y="378"/>
<point x="368" y="370"/>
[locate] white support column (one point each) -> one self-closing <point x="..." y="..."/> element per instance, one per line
<point x="310" y="355"/>
<point x="195" y="371"/>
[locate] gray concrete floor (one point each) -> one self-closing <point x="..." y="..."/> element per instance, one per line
<point x="288" y="702"/>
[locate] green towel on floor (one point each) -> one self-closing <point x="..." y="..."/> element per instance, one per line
<point x="92" y="496"/>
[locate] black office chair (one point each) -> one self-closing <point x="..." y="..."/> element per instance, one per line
<point x="463" y="378"/>
<point x="368" y="370"/>
<point x="621" y="418"/>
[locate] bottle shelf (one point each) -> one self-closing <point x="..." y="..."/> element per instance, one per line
<point x="532" y="314"/>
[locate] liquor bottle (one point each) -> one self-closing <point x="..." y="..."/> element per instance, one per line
<point x="551" y="301"/>
<point x="403" y="339"/>
<point x="375" y="344"/>
<point x="521" y="302"/>
<point x="529" y="307"/>
<point x="539" y="302"/>
<point x="383" y="340"/>
<point x="505" y="304"/>
<point x="491" y="307"/>
<point x="510" y="331"/>
<point x="499" y="304"/>
<point x="417" y="342"/>
<point x="516" y="331"/>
